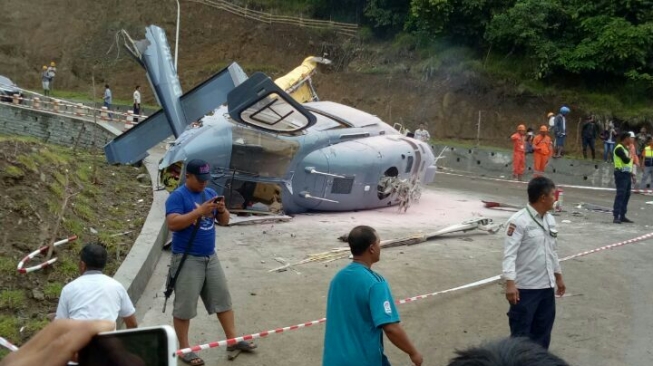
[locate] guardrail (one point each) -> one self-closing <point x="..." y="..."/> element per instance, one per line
<point x="344" y="28"/>
<point x="55" y="105"/>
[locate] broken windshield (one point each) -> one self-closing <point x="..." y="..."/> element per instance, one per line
<point x="260" y="154"/>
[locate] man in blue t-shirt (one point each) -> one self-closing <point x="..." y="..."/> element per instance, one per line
<point x="201" y="274"/>
<point x="360" y="308"/>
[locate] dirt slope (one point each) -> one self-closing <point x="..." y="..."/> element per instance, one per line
<point x="106" y="204"/>
<point x="80" y="36"/>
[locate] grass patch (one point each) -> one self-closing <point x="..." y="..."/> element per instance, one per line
<point x="56" y="189"/>
<point x="28" y="162"/>
<point x="84" y="212"/>
<point x="53" y="207"/>
<point x="53" y="157"/>
<point x="69" y="268"/>
<point x="84" y="173"/>
<point x="9" y="328"/>
<point x="7" y="266"/>
<point x="14" y="171"/>
<point x="73" y="226"/>
<point x="12" y="299"/>
<point x="52" y="290"/>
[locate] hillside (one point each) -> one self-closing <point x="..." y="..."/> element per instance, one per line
<point x="384" y="79"/>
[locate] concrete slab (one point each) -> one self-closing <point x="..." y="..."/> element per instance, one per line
<point x="610" y="324"/>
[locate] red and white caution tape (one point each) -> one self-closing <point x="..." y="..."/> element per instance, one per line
<point x="8" y="345"/>
<point x="634" y="240"/>
<point x="607" y="189"/>
<point x="42" y="250"/>
<point x="486" y="281"/>
<point x="249" y="337"/>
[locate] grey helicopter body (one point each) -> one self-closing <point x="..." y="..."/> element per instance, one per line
<point x="269" y="146"/>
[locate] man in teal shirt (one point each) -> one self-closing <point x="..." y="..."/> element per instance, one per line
<point x="360" y="308"/>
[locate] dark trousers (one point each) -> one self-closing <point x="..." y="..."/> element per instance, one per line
<point x="137" y="111"/>
<point x="533" y="315"/>
<point x="624" y="182"/>
<point x="589" y="141"/>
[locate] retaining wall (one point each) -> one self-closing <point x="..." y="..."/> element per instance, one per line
<point x="54" y="128"/>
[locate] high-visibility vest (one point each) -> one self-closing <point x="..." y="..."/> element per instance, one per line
<point x="618" y="163"/>
<point x="648" y="156"/>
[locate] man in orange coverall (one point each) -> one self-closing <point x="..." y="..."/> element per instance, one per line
<point x="542" y="150"/>
<point x="518" y="152"/>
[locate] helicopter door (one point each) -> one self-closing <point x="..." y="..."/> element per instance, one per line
<point x="260" y="103"/>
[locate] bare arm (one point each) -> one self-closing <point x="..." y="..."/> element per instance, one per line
<point x="177" y="222"/>
<point x="130" y="321"/>
<point x="396" y="334"/>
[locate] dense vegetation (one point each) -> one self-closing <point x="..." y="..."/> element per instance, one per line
<point x="601" y="46"/>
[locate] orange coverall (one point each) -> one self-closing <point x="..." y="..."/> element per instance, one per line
<point x="542" y="151"/>
<point x="518" y="154"/>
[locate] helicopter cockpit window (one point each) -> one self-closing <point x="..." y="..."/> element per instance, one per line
<point x="261" y="154"/>
<point x="273" y="113"/>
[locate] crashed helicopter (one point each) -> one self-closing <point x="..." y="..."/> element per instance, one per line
<point x="272" y="145"/>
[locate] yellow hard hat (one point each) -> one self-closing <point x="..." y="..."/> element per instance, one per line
<point x="45" y="67"/>
<point x="52" y="63"/>
<point x="521" y="128"/>
<point x="543" y="128"/>
<point x="550" y="115"/>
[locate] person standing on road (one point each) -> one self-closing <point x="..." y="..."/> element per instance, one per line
<point x="647" y="164"/>
<point x="518" y="153"/>
<point x="422" y="134"/>
<point x="641" y="141"/>
<point x="201" y="274"/>
<point x="543" y="149"/>
<point x="590" y="131"/>
<point x="623" y="178"/>
<point x="93" y="295"/>
<point x="561" y="131"/>
<point x="531" y="266"/>
<point x="360" y="308"/>
<point x="137" y="103"/>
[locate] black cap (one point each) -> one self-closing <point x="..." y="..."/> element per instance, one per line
<point x="200" y="169"/>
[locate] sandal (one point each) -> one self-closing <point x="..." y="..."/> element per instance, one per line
<point x="242" y="346"/>
<point x="192" y="359"/>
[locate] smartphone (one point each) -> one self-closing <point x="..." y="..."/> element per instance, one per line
<point x="152" y="346"/>
<point x="218" y="199"/>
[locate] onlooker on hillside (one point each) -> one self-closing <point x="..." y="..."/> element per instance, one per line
<point x="609" y="136"/>
<point x="52" y="71"/>
<point x="93" y="295"/>
<point x="45" y="81"/>
<point x="507" y="352"/>
<point x="561" y="131"/>
<point x="422" y="134"/>
<point x="108" y="98"/>
<point x="590" y="132"/>
<point x="641" y="141"/>
<point x="137" y="103"/>
<point x="647" y="164"/>
<point x="529" y="140"/>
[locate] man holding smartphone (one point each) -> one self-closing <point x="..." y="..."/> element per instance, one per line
<point x="201" y="273"/>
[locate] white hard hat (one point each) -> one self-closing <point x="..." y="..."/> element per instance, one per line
<point x="632" y="134"/>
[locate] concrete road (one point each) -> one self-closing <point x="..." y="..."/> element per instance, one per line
<point x="608" y="321"/>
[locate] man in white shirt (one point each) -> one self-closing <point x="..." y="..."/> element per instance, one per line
<point x="137" y="103"/>
<point x="93" y="295"/>
<point x="108" y="98"/>
<point x="422" y="134"/>
<point x="531" y="267"/>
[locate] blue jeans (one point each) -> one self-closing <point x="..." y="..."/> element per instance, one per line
<point x="624" y="182"/>
<point x="608" y="147"/>
<point x="533" y="315"/>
